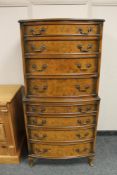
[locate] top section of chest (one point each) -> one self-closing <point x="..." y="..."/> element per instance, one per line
<point x="61" y="36"/>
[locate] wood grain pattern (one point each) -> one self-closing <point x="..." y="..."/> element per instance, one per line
<point x="61" y="87"/>
<point x="60" y="47"/>
<point x="38" y="108"/>
<point x="60" y="135"/>
<point x="61" y="121"/>
<point x="61" y="66"/>
<point x="57" y="151"/>
<point x="61" y="29"/>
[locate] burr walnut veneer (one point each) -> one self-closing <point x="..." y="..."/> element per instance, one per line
<point x="61" y="59"/>
<point x="11" y="123"/>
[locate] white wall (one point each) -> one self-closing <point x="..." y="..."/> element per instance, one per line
<point x="10" y="52"/>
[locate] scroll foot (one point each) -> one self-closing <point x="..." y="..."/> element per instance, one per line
<point x="31" y="161"/>
<point x="91" y="161"/>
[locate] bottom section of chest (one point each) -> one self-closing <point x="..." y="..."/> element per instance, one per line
<point x="61" y="130"/>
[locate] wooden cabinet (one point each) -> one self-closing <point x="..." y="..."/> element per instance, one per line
<point x="11" y="123"/>
<point x="61" y="59"/>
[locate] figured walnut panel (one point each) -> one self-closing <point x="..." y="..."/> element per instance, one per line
<point x="61" y="66"/>
<point x="61" y="47"/>
<point x="46" y="109"/>
<point x="75" y="150"/>
<point x="61" y="29"/>
<point x="61" y="87"/>
<point x="61" y="135"/>
<point x="60" y="122"/>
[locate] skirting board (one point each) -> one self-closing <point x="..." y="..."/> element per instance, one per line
<point x="107" y="133"/>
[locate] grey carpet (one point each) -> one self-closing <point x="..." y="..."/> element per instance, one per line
<point x="105" y="163"/>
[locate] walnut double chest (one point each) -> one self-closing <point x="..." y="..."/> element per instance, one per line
<point x="61" y="60"/>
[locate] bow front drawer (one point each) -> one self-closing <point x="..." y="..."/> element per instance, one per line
<point x="80" y="109"/>
<point x="61" y="151"/>
<point x="61" y="121"/>
<point x="61" y="135"/>
<point x="61" y="47"/>
<point x="61" y="66"/>
<point x="61" y="29"/>
<point x="61" y="87"/>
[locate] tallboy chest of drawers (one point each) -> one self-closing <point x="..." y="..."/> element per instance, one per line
<point x="61" y="60"/>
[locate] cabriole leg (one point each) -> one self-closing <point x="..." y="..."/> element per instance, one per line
<point x="91" y="161"/>
<point x="31" y="161"/>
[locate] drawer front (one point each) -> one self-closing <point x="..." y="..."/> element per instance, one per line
<point x="61" y="87"/>
<point x="61" y="29"/>
<point x="2" y="132"/>
<point x="59" y="122"/>
<point x="61" y="135"/>
<point x="61" y="66"/>
<point x="4" y="150"/>
<point x="54" y="151"/>
<point x="61" y="47"/>
<point x="44" y="109"/>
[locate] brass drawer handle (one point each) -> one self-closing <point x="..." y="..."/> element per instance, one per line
<point x="42" y="68"/>
<point x="40" y="136"/>
<point x="80" y="151"/>
<point x="41" y="109"/>
<point x="80" y="47"/>
<point x="34" y="122"/>
<point x="41" y="151"/>
<point x="40" y="32"/>
<point x="83" y="69"/>
<point x="4" y="110"/>
<point x="41" y="48"/>
<point x="80" y="30"/>
<point x="40" y="88"/>
<point x="84" y="111"/>
<point x="83" y="123"/>
<point x="82" y="89"/>
<point x="33" y="109"/>
<point x="82" y="137"/>
<point x="88" y="108"/>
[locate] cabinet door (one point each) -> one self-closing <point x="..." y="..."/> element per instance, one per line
<point x="6" y="138"/>
<point x="3" y="121"/>
<point x="2" y="132"/>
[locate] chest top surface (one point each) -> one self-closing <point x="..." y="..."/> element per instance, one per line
<point x="62" y="19"/>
